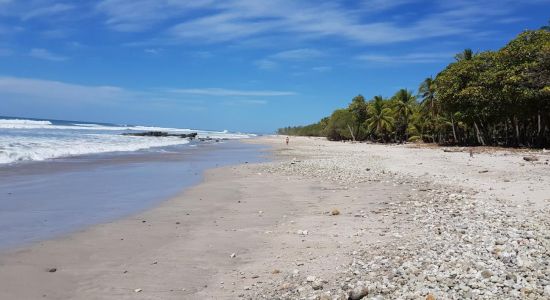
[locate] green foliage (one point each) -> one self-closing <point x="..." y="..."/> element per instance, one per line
<point x="340" y="125"/>
<point x="488" y="98"/>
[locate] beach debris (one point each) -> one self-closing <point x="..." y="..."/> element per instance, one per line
<point x="335" y="212"/>
<point x="233" y="255"/>
<point x="483" y="171"/>
<point x="310" y="278"/>
<point x="143" y="221"/>
<point x="302" y="232"/>
<point x="177" y="223"/>
<point x="52" y="270"/>
<point x="246" y="288"/>
<point x="530" y="158"/>
<point x="138" y="290"/>
<point x="275" y="271"/>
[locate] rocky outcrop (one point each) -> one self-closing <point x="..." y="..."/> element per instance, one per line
<point x="191" y="135"/>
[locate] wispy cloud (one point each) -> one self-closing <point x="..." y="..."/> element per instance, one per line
<point x="246" y="102"/>
<point x="266" y="64"/>
<point x="413" y="58"/>
<point x="138" y="15"/>
<point x="298" y="54"/>
<point x="48" y="91"/>
<point x="231" y="93"/>
<point x="322" y="69"/>
<point x="46" y="55"/>
<point x="58" y="91"/>
<point x="45" y="11"/>
<point x="152" y="51"/>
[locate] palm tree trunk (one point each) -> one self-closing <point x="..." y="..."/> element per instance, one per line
<point x="454" y="131"/>
<point x="479" y="137"/>
<point x="516" y="125"/>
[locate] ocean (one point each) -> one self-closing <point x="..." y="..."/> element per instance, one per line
<point x="34" y="140"/>
<point x="58" y="177"/>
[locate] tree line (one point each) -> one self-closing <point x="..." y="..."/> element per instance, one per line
<point x="497" y="98"/>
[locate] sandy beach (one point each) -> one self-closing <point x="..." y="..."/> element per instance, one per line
<point x="323" y="220"/>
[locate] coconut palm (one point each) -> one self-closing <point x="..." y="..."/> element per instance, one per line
<point x="380" y="120"/>
<point x="427" y="92"/>
<point x="404" y="102"/>
<point x="467" y="54"/>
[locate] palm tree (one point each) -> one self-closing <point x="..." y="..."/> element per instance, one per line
<point x="467" y="54"/>
<point x="404" y="102"/>
<point x="427" y="92"/>
<point x="380" y="119"/>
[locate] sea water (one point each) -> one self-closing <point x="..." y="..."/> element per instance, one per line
<point x="56" y="179"/>
<point x="35" y="140"/>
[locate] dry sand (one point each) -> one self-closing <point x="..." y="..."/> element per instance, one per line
<point x="267" y="231"/>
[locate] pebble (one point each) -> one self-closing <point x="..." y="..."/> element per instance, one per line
<point x="358" y="293"/>
<point x="464" y="244"/>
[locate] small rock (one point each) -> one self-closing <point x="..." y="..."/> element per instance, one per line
<point x="430" y="296"/>
<point x="335" y="212"/>
<point x="310" y="279"/>
<point x="483" y="171"/>
<point x="486" y="274"/>
<point x="317" y="285"/>
<point x="52" y="270"/>
<point x="138" y="290"/>
<point x="233" y="255"/>
<point x="530" y="158"/>
<point x="358" y="293"/>
<point x="276" y="271"/>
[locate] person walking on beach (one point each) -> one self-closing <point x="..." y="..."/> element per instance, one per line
<point x="287" y="140"/>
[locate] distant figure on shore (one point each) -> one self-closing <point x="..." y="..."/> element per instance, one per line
<point x="471" y="153"/>
<point x="287" y="140"/>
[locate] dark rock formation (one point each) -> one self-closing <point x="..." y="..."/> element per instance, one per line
<point x="191" y="135"/>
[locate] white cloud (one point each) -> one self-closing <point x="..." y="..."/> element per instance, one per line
<point x="229" y="93"/>
<point x="322" y="69"/>
<point x="45" y="11"/>
<point x="298" y="54"/>
<point x="48" y="90"/>
<point x="46" y="54"/>
<point x="58" y="91"/>
<point x="266" y="64"/>
<point x="139" y="15"/>
<point x="422" y="57"/>
<point x="246" y="102"/>
<point x="153" y="51"/>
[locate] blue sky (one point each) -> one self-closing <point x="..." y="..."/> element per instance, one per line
<point x="246" y="65"/>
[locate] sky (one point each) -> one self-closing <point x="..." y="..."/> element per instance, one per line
<point x="240" y="65"/>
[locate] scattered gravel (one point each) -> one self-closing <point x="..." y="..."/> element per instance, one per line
<point x="462" y="244"/>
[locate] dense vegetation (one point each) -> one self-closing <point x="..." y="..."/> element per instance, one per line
<point x="499" y="98"/>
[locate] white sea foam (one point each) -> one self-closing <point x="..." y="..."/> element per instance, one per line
<point x="29" y="140"/>
<point x="22" y="148"/>
<point x="20" y="123"/>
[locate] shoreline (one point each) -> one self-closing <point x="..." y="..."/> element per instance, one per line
<point x="268" y="231"/>
<point x="47" y="199"/>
